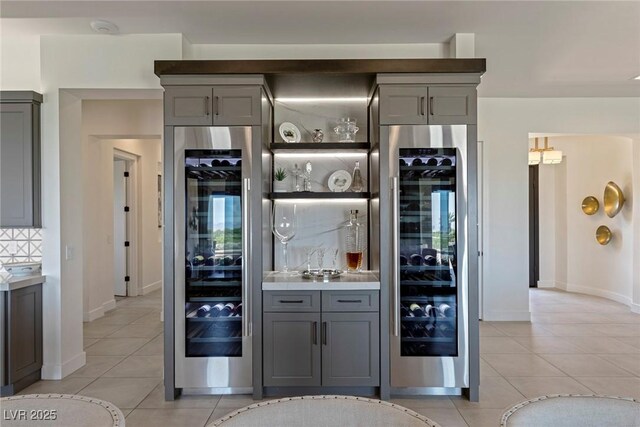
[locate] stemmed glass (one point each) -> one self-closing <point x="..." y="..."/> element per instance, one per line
<point x="283" y="226"/>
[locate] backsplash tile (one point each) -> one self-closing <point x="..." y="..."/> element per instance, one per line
<point x="28" y="244"/>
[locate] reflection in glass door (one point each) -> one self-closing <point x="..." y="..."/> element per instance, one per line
<point x="213" y="265"/>
<point x="428" y="296"/>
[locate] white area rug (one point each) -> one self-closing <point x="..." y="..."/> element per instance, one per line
<point x="59" y="410"/>
<point x="323" y="411"/>
<point x="572" y="410"/>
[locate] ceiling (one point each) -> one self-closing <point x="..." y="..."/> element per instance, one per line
<point x="533" y="49"/>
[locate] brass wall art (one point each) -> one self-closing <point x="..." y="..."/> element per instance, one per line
<point x="613" y="199"/>
<point x="603" y="235"/>
<point x="590" y="205"/>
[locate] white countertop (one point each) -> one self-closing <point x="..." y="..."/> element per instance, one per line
<point x="366" y="280"/>
<point x="12" y="283"/>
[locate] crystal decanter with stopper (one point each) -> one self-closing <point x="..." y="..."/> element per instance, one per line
<point x="354" y="243"/>
<point x="356" y="181"/>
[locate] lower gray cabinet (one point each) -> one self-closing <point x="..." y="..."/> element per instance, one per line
<point x="21" y="338"/>
<point x="350" y="349"/>
<point x="332" y="345"/>
<point x="291" y="349"/>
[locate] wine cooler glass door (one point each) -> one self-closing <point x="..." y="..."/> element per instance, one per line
<point x="427" y="255"/>
<point x="213" y="245"/>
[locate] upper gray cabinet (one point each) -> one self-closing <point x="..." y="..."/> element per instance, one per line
<point x="422" y="105"/>
<point x="403" y="105"/>
<point x="20" y="159"/>
<point x="212" y="105"/>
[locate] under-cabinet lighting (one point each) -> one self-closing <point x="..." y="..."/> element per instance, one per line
<point x="317" y="155"/>
<point x="335" y="99"/>
<point x="324" y="201"/>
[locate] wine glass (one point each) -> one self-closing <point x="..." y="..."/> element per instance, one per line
<point x="283" y="226"/>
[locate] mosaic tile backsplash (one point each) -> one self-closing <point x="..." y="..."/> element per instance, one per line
<point x="27" y="242"/>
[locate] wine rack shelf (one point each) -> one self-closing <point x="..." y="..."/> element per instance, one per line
<point x="319" y="147"/>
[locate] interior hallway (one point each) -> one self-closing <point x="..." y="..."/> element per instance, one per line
<point x="574" y="344"/>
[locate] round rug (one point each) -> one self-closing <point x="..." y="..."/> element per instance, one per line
<point x="574" y="410"/>
<point x="59" y="410"/>
<point x="323" y="411"/>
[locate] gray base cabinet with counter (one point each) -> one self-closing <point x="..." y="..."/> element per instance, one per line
<point x="21" y="338"/>
<point x="321" y="338"/>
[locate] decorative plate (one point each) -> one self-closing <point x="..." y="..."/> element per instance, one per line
<point x="289" y="132"/>
<point x="324" y="275"/>
<point x="339" y="181"/>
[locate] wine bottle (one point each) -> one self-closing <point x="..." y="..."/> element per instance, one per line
<point x="204" y="311"/>
<point x="198" y="260"/>
<point x="416" y="162"/>
<point x="238" y="261"/>
<point x="237" y="311"/>
<point x="227" y="309"/>
<point x="403" y="260"/>
<point x="432" y="161"/>
<point x="429" y="310"/>
<point x="217" y="309"/>
<point x="403" y="162"/>
<point x="225" y="163"/>
<point x="404" y="312"/>
<point x="416" y="259"/>
<point x="430" y="260"/>
<point x="445" y="310"/>
<point x="416" y="310"/>
<point x="210" y="261"/>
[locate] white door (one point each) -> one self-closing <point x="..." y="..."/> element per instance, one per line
<point x="119" y="227"/>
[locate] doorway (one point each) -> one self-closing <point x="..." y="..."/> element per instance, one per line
<point x="534" y="227"/>
<point x="124" y="166"/>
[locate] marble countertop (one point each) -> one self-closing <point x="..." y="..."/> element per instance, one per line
<point x="366" y="280"/>
<point x="12" y="283"/>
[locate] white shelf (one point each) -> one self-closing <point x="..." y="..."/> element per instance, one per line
<point x="366" y="280"/>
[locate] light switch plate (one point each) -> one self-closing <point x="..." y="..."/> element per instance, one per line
<point x="69" y="252"/>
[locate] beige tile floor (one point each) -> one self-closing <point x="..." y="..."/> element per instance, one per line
<point x="574" y="344"/>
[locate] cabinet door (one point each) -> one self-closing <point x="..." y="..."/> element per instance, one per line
<point x="25" y="332"/>
<point x="16" y="165"/>
<point x="403" y="105"/>
<point x="236" y="105"/>
<point x="291" y="349"/>
<point x="452" y="105"/>
<point x="350" y="349"/>
<point x="188" y="105"/>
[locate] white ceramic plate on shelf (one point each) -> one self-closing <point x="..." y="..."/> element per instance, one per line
<point x="289" y="132"/>
<point x="339" y="181"/>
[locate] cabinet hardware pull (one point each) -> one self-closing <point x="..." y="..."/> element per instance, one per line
<point x="315" y="333"/>
<point x="216" y="105"/>
<point x="350" y="300"/>
<point x="297" y="301"/>
<point x="206" y="105"/>
<point x="431" y="105"/>
<point x="324" y="333"/>
<point x="422" y="105"/>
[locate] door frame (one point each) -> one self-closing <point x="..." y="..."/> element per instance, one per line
<point x="534" y="226"/>
<point x="133" y="225"/>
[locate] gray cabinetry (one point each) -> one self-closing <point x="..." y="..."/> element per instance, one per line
<point x="351" y="349"/>
<point x="291" y="349"/>
<point x="20" y="159"/>
<point x="336" y="344"/>
<point x="212" y="105"/>
<point x="21" y="338"/>
<point x="422" y="104"/>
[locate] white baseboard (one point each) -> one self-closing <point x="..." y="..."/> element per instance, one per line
<point x="58" y="372"/>
<point x="635" y="308"/>
<point x="507" y="316"/>
<point x="614" y="296"/>
<point x="98" y="312"/>
<point x="151" y="287"/>
<point x="546" y="284"/>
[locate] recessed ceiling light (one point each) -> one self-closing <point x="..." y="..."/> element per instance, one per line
<point x="104" y="27"/>
<point x="637" y="77"/>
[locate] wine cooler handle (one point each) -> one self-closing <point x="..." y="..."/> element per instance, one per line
<point x="246" y="277"/>
<point x="324" y="333"/>
<point x="395" y="201"/>
<point x="314" y="326"/>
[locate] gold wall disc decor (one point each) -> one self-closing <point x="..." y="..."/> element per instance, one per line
<point x="613" y="199"/>
<point x="590" y="205"/>
<point x="603" y="235"/>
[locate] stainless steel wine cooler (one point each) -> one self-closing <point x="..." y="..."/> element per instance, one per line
<point x="429" y="273"/>
<point x="212" y="268"/>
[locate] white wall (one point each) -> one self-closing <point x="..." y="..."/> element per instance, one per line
<point x="20" y="62"/>
<point x="101" y="121"/>
<point x="590" y="162"/>
<point x="504" y="125"/>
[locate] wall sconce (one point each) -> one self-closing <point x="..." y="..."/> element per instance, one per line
<point x="548" y="155"/>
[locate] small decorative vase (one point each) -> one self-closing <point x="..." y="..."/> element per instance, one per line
<point x="317" y="135"/>
<point x="279" y="186"/>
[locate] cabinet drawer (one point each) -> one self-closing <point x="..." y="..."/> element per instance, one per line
<point x="350" y="301"/>
<point x="291" y="301"/>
